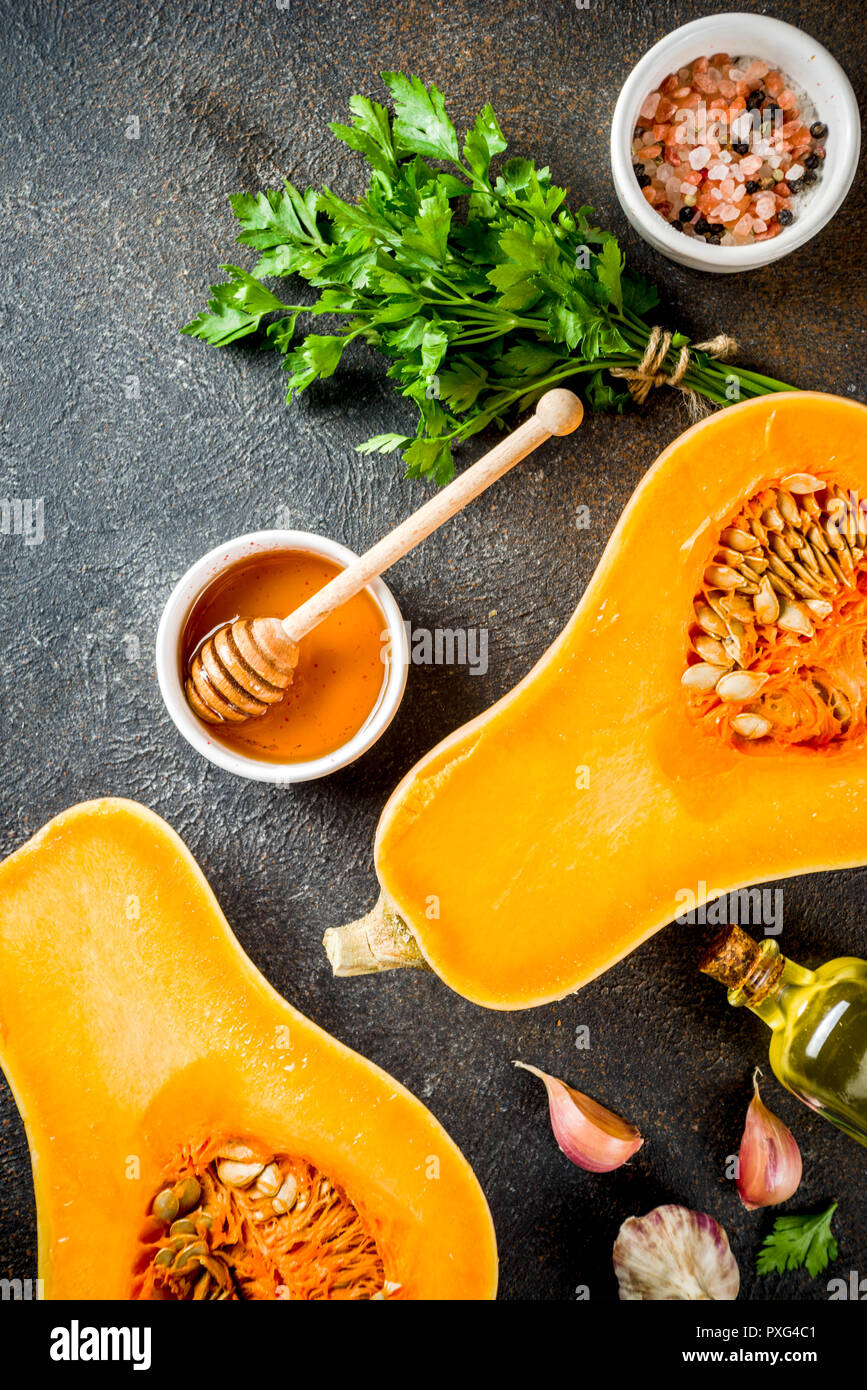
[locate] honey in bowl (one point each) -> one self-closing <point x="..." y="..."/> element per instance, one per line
<point x="342" y="666"/>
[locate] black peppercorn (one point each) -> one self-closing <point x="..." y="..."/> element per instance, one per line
<point x="643" y="180"/>
<point x="812" y="161"/>
<point x="686" y="214"/>
<point x="755" y="99"/>
<point x="702" y="227"/>
<point x="818" y="130"/>
<point x="752" y="186"/>
<point x="741" y="147"/>
<point x="785" y="218"/>
<point x="809" y="177"/>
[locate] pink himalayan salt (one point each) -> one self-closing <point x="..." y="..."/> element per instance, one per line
<point x="649" y="105"/>
<point x="755" y="71"/>
<point x="796" y="171"/>
<point x="743" y="226"/>
<point x="717" y="175"/>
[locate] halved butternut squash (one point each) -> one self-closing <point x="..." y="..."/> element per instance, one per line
<point x="699" y="725"/>
<point x="192" y="1135"/>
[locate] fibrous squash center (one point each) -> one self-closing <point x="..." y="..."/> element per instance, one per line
<point x="232" y="1221"/>
<point x="777" y="633"/>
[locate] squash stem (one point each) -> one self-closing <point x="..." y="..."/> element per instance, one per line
<point x="380" y="940"/>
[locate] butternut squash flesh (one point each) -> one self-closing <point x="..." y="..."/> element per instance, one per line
<point x="132" y="1025"/>
<point x="546" y="839"/>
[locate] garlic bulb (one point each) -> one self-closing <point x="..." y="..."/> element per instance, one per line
<point x="769" y="1160"/>
<point x="589" y="1135"/>
<point x="673" y="1254"/>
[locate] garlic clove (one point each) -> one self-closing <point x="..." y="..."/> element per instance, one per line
<point x="590" y="1136"/>
<point x="674" y="1254"/>
<point x="769" y="1160"/>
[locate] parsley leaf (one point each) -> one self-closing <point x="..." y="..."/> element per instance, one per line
<point x="235" y="309"/>
<point x="383" y="444"/>
<point x="421" y="125"/>
<point x="608" y="270"/>
<point x="370" y="133"/>
<point x="483" y="142"/>
<point x="798" y="1241"/>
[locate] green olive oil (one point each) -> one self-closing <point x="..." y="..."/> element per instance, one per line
<point x="818" y="1019"/>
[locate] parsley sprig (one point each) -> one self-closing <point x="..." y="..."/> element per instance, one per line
<point x="797" y="1241"/>
<point x="482" y="288"/>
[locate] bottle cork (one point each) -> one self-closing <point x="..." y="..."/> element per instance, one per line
<point x="739" y="962"/>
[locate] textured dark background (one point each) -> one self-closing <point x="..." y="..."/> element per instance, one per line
<point x="107" y="247"/>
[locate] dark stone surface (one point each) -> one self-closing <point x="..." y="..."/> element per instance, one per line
<point x="107" y="246"/>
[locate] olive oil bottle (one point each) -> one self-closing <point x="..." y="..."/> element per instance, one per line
<point x="818" y="1019"/>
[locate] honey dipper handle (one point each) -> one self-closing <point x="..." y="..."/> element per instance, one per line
<point x="557" y="412"/>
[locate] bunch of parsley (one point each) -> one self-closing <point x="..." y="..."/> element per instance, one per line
<point x="482" y="289"/>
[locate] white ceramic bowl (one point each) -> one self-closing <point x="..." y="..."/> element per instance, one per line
<point x="169" y="674"/>
<point x="808" y="65"/>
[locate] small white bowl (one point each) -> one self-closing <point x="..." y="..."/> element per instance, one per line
<point x="808" y="65"/>
<point x="170" y="675"/>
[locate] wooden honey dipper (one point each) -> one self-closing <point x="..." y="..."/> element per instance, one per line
<point x="247" y="665"/>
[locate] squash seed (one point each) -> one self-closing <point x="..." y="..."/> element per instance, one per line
<point x="711" y="650"/>
<point x="802" y="483"/>
<point x="268" y="1182"/>
<point x="236" y="1174"/>
<point x="820" y="607"/>
<point x="702" y="676"/>
<point x="710" y="621"/>
<point x="188" y="1193"/>
<point x="722" y="577"/>
<point x="284" y="1200"/>
<point x="766" y="603"/>
<point x="751" y="725"/>
<point x="165" y="1205"/>
<point x="740" y="685"/>
<point x="237" y="1150"/>
<point x="736" y="539"/>
<point x="794" y="619"/>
